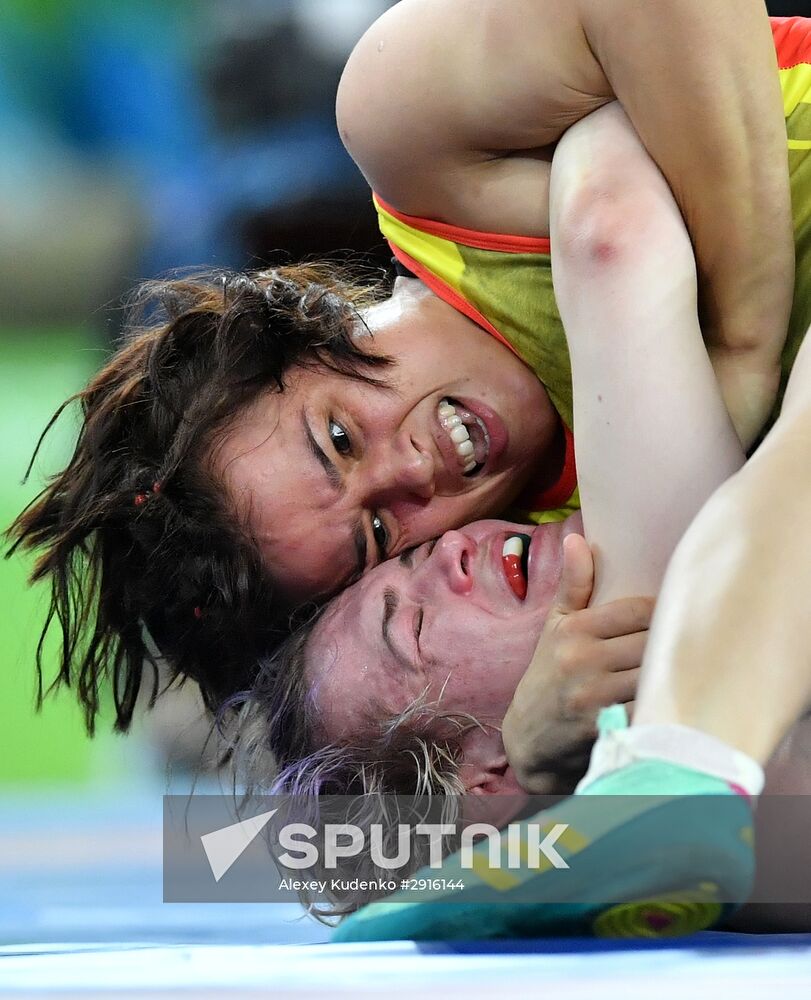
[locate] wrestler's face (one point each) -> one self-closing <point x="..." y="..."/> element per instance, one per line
<point x="442" y="620"/>
<point x="333" y="476"/>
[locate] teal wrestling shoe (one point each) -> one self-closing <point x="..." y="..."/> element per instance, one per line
<point x="624" y="862"/>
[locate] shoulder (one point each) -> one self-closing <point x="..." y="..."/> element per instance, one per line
<point x="438" y="93"/>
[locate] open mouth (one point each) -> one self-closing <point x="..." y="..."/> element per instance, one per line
<point x="468" y="435"/>
<point x="515" y="561"/>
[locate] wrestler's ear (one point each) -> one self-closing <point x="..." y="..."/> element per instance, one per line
<point x="484" y="769"/>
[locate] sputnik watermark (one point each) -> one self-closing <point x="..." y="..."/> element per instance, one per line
<point x="225" y="846"/>
<point x="328" y="849"/>
<point x="526" y="844"/>
<point x="337" y="845"/>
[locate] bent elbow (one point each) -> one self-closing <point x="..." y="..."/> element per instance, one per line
<point x="594" y="228"/>
<point x="612" y="230"/>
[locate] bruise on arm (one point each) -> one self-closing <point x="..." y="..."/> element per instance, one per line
<point x="653" y="437"/>
<point x="699" y="81"/>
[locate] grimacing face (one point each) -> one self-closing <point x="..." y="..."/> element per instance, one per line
<point x="442" y="617"/>
<point x="333" y="476"/>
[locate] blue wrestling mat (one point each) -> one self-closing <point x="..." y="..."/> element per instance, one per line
<point x="705" y="966"/>
<point x="81" y="914"/>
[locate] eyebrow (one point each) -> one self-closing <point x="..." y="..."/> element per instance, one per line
<point x="337" y="483"/>
<point x="391" y="600"/>
<point x="406" y="557"/>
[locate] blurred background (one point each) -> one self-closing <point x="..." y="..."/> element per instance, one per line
<point x="137" y="136"/>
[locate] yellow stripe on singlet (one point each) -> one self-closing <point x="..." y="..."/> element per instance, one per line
<point x="795" y="84"/>
<point x="440" y="256"/>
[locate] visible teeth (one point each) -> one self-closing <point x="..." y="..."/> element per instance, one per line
<point x="459" y="434"/>
<point x="513" y="546"/>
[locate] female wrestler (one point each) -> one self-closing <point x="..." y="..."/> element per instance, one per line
<point x="445" y="630"/>
<point x="724" y="678"/>
<point x="246" y="452"/>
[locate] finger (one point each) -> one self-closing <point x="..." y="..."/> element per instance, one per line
<point x="619" y="688"/>
<point x="577" y="577"/>
<point x="629" y="709"/>
<point x="622" y="617"/>
<point x="625" y="652"/>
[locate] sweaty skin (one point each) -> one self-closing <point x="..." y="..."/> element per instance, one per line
<point x="654" y="441"/>
<point x="425" y="121"/>
<point x="387" y="477"/>
<point x="721" y="631"/>
<point x="441" y="619"/>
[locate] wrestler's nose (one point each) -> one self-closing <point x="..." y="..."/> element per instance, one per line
<point x="402" y="470"/>
<point x="451" y="563"/>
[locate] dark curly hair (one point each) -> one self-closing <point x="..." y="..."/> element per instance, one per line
<point x="135" y="535"/>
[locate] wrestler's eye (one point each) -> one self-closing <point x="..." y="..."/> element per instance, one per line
<point x="418" y="626"/>
<point x="340" y="439"/>
<point x="381" y="535"/>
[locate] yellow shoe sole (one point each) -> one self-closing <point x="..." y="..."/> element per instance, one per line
<point x="683" y="913"/>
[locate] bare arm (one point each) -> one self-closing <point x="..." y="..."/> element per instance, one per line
<point x="451" y="108"/>
<point x="653" y="437"/>
<point x="698" y="79"/>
